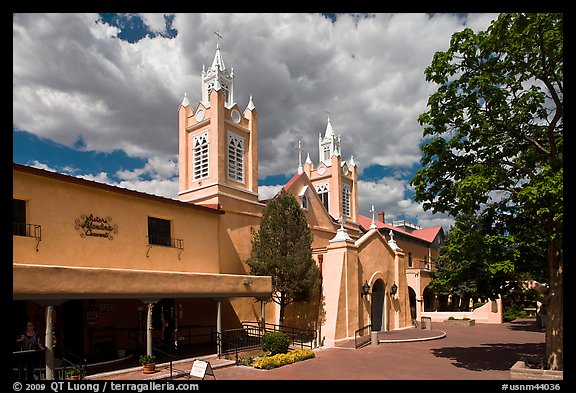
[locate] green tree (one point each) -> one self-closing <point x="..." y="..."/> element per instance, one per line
<point x="475" y="260"/>
<point x="493" y="145"/>
<point x="282" y="248"/>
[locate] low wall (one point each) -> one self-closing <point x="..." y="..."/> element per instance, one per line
<point x="491" y="312"/>
<point x="520" y="371"/>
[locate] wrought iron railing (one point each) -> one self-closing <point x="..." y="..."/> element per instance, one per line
<point x="70" y="361"/>
<point x="29" y="230"/>
<point x="156" y="239"/>
<point x="233" y="341"/>
<point x="362" y="336"/>
<point x="249" y="336"/>
<point x="160" y="239"/>
<point x="298" y="336"/>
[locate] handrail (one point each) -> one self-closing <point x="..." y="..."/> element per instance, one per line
<point x="72" y="359"/>
<point x="235" y="340"/>
<point x="170" y="355"/>
<point x="360" y="336"/>
<point x="298" y="336"/>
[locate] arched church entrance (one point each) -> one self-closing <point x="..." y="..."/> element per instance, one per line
<point x="412" y="296"/>
<point x="377" y="312"/>
<point x="430" y="300"/>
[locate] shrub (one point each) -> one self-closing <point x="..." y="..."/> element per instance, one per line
<point x="269" y="362"/>
<point x="146" y="359"/>
<point x="275" y="342"/>
<point x="75" y="370"/>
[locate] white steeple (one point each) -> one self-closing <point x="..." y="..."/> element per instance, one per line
<point x="217" y="78"/>
<point x="328" y="145"/>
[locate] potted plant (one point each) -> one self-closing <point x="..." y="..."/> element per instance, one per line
<point x="148" y="363"/>
<point x="74" y="372"/>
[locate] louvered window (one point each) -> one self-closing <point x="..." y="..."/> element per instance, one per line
<point x="346" y="201"/>
<point x="201" y="156"/>
<point x="235" y="157"/>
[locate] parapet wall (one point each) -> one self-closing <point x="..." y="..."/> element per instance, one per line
<point x="491" y="312"/>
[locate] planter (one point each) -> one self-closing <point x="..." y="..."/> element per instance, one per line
<point x="149" y="368"/>
<point x="521" y="371"/>
<point x="460" y="322"/>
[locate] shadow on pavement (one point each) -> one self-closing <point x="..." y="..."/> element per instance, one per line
<point x="491" y="356"/>
<point x="526" y="325"/>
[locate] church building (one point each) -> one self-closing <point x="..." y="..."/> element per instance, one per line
<point x="103" y="269"/>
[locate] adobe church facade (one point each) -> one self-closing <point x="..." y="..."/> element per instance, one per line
<point x="219" y="168"/>
<point x="101" y="268"/>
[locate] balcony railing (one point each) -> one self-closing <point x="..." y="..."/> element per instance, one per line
<point x="27" y="230"/>
<point x="420" y="264"/>
<point x="164" y="241"/>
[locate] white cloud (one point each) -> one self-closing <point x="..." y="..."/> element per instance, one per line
<point x="267" y="192"/>
<point x="155" y="22"/>
<point x="167" y="188"/>
<point x="41" y="165"/>
<point x="72" y="78"/>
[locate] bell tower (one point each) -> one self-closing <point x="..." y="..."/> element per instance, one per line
<point x="218" y="144"/>
<point x="335" y="180"/>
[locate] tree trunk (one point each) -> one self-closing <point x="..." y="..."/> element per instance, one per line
<point x="282" y="307"/>
<point x="554" y="316"/>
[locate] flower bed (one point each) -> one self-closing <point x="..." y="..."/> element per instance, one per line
<point x="281" y="359"/>
<point x="460" y="322"/>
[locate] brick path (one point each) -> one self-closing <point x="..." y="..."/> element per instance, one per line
<point x="479" y="352"/>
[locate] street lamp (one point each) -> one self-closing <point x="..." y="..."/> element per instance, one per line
<point x="365" y="290"/>
<point x="393" y="289"/>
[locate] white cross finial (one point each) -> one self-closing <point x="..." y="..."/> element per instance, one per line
<point x="327" y="111"/>
<point x="341" y="220"/>
<point x="391" y="235"/>
<point x="373" y="225"/>
<point x="299" y="148"/>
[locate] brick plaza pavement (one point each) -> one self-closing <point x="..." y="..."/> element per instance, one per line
<point x="479" y="352"/>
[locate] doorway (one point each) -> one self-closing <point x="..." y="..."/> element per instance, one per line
<point x="377" y="309"/>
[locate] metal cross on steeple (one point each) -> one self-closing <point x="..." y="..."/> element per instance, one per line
<point x="218" y="38"/>
<point x="299" y="148"/>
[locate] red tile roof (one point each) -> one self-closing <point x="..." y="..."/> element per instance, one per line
<point x="426" y="234"/>
<point x="292" y="181"/>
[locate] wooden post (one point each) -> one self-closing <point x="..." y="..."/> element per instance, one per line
<point x="219" y="325"/>
<point x="49" y="343"/>
<point x="149" y="330"/>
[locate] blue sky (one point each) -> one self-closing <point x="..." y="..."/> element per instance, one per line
<point x="96" y="95"/>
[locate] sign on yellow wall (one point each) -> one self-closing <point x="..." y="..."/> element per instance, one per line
<point x="96" y="226"/>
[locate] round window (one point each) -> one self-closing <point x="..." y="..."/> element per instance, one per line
<point x="236" y="116"/>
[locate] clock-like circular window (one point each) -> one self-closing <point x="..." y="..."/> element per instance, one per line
<point x="200" y="115"/>
<point x="236" y="116"/>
